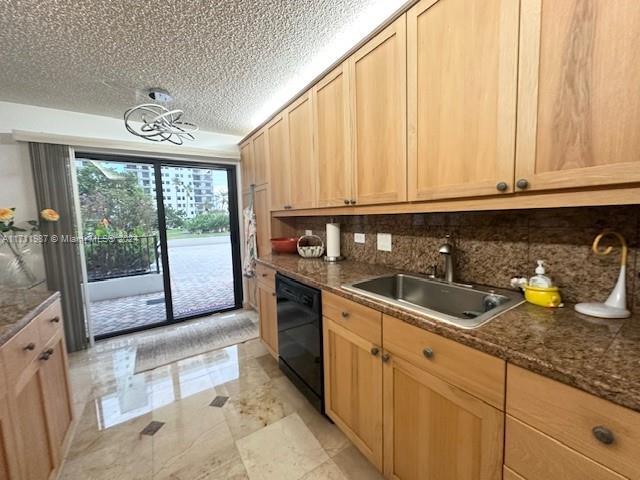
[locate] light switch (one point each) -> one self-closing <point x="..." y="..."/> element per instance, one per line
<point x="358" y="237"/>
<point x="308" y="232"/>
<point x="384" y="242"/>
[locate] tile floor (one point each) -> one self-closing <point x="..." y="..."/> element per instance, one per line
<point x="167" y="423"/>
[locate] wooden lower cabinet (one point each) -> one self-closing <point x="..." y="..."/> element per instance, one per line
<point x="353" y="388"/>
<point x="36" y="412"/>
<point x="267" y="309"/>
<point x="9" y="469"/>
<point x="434" y="430"/>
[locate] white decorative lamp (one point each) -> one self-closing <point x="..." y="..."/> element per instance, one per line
<point x="616" y="304"/>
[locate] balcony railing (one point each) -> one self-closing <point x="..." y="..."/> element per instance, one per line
<point x="117" y="257"/>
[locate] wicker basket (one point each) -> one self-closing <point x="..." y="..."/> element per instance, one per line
<point x="310" y="251"/>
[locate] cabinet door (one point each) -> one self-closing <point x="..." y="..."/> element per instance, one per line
<point x="55" y="387"/>
<point x="378" y="102"/>
<point x="353" y="388"/>
<point x="435" y="430"/>
<point x="27" y="402"/>
<point x="462" y="78"/>
<point x="259" y="151"/>
<point x="332" y="138"/>
<point x="578" y="102"/>
<point x="246" y="166"/>
<point x="8" y="453"/>
<point x="268" y="318"/>
<point x="278" y="163"/>
<point x="263" y="219"/>
<point x="301" y="161"/>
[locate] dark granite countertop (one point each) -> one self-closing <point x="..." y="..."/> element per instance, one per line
<point x="18" y="306"/>
<point x="599" y="356"/>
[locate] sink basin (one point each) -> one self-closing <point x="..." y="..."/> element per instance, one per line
<point x="465" y="306"/>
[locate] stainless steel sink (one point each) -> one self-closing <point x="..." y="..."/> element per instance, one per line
<point x="465" y="306"/>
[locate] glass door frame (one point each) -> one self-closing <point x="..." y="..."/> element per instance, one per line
<point x="234" y="233"/>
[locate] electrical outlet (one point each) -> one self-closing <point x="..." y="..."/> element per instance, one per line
<point x="384" y="242"/>
<point x="308" y="232"/>
<point x="358" y="237"/>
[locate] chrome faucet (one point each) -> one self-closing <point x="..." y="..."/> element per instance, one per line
<point x="446" y="249"/>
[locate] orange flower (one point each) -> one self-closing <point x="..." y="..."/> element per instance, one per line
<point x="50" y="215"/>
<point x="6" y="214"/>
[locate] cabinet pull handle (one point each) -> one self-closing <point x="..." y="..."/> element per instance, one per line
<point x="46" y="354"/>
<point x="428" y="352"/>
<point x="386" y="357"/>
<point x="603" y="434"/>
<point x="30" y="346"/>
<point x="522" y="183"/>
<point x="265" y="275"/>
<point x="345" y="314"/>
<point x="55" y="320"/>
<point x="273" y="294"/>
<point x="502" y="186"/>
<point x="375" y="351"/>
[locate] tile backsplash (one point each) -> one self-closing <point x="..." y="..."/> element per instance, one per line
<point x="492" y="247"/>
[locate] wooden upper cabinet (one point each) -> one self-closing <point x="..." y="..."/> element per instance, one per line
<point x="263" y="220"/>
<point x="462" y="79"/>
<point x="332" y="138"/>
<point x="259" y="158"/>
<point x="379" y="108"/>
<point x="578" y="106"/>
<point x="246" y="165"/>
<point x="279" y="174"/>
<point x="301" y="161"/>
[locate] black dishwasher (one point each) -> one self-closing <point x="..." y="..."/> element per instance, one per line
<point x="300" y="337"/>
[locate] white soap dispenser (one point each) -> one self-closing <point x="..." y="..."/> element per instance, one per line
<point x="540" y="280"/>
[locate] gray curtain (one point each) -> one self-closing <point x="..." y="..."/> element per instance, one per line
<point x="51" y="166"/>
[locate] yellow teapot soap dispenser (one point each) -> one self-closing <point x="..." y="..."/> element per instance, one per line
<point x="540" y="290"/>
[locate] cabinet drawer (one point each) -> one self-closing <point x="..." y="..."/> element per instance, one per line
<point x="266" y="276"/>
<point x="49" y="322"/>
<point x="537" y="456"/>
<point x="569" y="415"/>
<point x="363" y="321"/>
<point x="473" y="371"/>
<point x="23" y="348"/>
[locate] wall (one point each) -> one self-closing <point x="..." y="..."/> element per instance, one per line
<point x="492" y="247"/>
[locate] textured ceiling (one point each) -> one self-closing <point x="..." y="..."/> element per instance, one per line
<point x="227" y="63"/>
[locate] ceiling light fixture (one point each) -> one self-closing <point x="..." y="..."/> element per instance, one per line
<point x="156" y="123"/>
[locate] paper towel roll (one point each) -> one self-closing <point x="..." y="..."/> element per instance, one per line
<point x="333" y="240"/>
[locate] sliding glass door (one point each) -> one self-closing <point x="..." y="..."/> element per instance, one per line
<point x="160" y="241"/>
<point x="198" y="221"/>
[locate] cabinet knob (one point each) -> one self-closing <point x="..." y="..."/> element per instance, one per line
<point x="30" y="346"/>
<point x="386" y="357"/>
<point x="522" y="183"/>
<point x="345" y="314"/>
<point x="603" y="434"/>
<point x="375" y="351"/>
<point x="352" y="202"/>
<point x="428" y="352"/>
<point x="346" y="201"/>
<point x="502" y="186"/>
<point x="55" y="320"/>
<point x="46" y="354"/>
<point x="265" y="274"/>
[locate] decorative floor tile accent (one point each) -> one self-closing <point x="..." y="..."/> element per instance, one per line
<point x="219" y="401"/>
<point x="152" y="428"/>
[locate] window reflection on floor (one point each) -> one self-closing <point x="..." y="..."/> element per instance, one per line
<point x="138" y="394"/>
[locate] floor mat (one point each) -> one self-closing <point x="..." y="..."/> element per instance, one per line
<point x="194" y="339"/>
